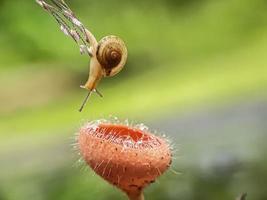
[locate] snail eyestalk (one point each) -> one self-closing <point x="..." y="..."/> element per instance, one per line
<point x="85" y="100"/>
<point x="99" y="93"/>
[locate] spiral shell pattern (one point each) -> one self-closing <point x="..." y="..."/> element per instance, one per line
<point x="111" y="54"/>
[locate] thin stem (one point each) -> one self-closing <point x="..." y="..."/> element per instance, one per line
<point x="71" y="25"/>
<point x="134" y="196"/>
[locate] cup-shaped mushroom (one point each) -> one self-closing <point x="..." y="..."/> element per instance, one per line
<point x="128" y="157"/>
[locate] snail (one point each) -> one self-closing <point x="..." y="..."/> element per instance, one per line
<point x="108" y="56"/>
<point x="107" y="60"/>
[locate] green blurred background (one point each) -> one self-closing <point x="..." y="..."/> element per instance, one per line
<point x="196" y="72"/>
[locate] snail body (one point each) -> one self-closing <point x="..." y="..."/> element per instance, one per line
<point x="107" y="60"/>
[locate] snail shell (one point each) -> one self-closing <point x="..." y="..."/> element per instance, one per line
<point x="111" y="53"/>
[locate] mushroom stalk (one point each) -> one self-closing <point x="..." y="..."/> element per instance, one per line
<point x="139" y="196"/>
